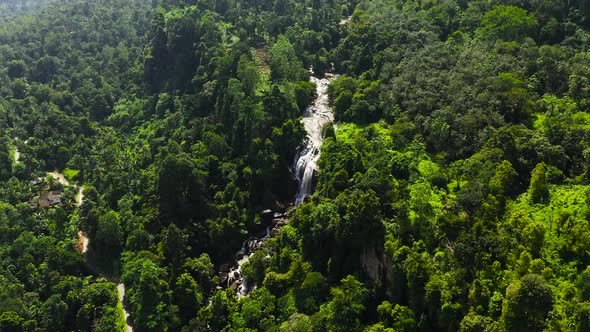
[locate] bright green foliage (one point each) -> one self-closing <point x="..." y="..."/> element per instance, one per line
<point x="202" y="271"/>
<point x="504" y="179"/>
<point x="187" y="296"/>
<point x="108" y="234"/>
<point x="255" y="311"/>
<point x="507" y="23"/>
<point x="515" y="101"/>
<point x="10" y="321"/>
<point x="538" y="188"/>
<point x="343" y="312"/>
<point x="248" y="74"/>
<point x="313" y="290"/>
<point x="181" y="119"/>
<point x="284" y="64"/>
<point x="303" y="93"/>
<point x="527" y="304"/>
<point x="296" y="323"/>
<point x="398" y="317"/>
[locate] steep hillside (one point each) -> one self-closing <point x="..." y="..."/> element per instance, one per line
<point x="451" y="193"/>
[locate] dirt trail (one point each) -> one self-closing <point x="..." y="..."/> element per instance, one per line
<point x="59" y="177"/>
<point x="83" y="248"/>
<point x="80" y="196"/>
<point x="62" y="179"/>
<point x="83" y="242"/>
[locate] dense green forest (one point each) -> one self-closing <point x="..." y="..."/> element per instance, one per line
<point x="453" y="191"/>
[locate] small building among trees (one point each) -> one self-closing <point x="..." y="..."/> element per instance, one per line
<point x="46" y="200"/>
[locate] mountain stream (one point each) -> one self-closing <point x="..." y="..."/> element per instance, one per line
<point x="315" y="117"/>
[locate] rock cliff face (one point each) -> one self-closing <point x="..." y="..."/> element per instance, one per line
<point x="378" y="267"/>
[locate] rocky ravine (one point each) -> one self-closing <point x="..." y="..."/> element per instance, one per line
<point x="315" y="118"/>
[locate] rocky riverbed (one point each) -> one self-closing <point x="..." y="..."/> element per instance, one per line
<point x="315" y="118"/>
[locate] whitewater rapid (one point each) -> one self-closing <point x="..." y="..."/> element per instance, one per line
<point x="315" y="118"/>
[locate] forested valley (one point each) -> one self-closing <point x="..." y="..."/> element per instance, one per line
<point x="149" y="165"/>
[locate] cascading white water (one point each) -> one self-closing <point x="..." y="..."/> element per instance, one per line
<point x="315" y="117"/>
<point x="235" y="274"/>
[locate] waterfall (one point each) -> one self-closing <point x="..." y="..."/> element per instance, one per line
<point x="315" y="117"/>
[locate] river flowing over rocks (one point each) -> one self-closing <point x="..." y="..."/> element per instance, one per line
<point x="315" y="118"/>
